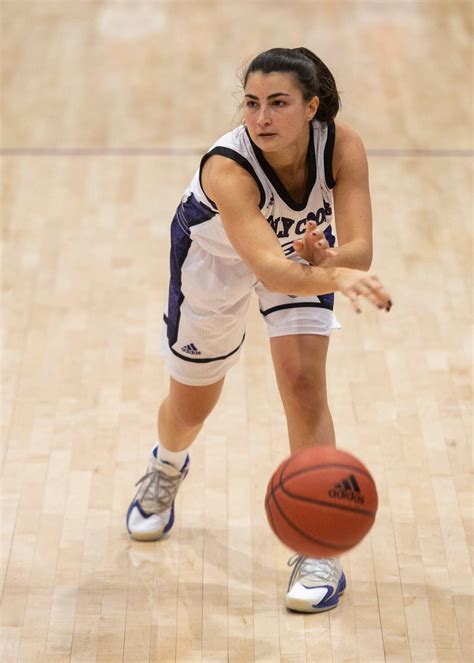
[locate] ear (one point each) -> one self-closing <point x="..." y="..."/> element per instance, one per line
<point x="312" y="109"/>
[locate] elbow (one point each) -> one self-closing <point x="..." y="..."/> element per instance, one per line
<point x="366" y="258"/>
<point x="272" y="281"/>
<point x="269" y="276"/>
<point x="366" y="263"/>
<point x="269" y="285"/>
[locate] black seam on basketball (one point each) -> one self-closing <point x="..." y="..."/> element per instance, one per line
<point x="323" y="467"/>
<point x="306" y="536"/>
<point x="269" y="512"/>
<point x="279" y="483"/>
<point x="283" y="468"/>
<point x="271" y="487"/>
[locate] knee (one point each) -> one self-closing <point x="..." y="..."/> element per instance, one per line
<point x="188" y="409"/>
<point x="188" y="406"/>
<point x="305" y="385"/>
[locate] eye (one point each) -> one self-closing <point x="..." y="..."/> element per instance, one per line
<point x="279" y="103"/>
<point x="250" y="104"/>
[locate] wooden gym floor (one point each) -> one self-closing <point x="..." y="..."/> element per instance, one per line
<point x="106" y="109"/>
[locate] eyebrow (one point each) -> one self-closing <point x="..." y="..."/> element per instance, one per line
<point x="270" y="96"/>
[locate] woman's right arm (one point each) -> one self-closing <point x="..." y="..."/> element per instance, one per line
<point x="236" y="195"/>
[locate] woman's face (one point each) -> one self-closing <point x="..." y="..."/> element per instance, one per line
<point x="275" y="113"/>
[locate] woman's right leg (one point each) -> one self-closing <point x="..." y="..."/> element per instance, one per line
<point x="183" y="412"/>
<point x="201" y="339"/>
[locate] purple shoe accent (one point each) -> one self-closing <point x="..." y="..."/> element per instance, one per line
<point x="134" y="504"/>
<point x="137" y="504"/>
<point x="330" y="600"/>
<point x="170" y="522"/>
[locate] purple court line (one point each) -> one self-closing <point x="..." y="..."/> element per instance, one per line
<point x="186" y="152"/>
<point x="100" y="151"/>
<point x="418" y="152"/>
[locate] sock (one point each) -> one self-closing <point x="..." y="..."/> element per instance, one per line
<point x="175" y="458"/>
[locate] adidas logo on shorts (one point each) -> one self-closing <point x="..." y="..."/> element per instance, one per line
<point x="348" y="489"/>
<point x="190" y="349"/>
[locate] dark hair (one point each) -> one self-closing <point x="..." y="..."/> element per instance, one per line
<point x="312" y="75"/>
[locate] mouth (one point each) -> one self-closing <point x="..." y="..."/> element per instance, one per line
<point x="266" y="135"/>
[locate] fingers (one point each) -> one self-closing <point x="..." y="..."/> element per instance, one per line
<point x="314" y="240"/>
<point x="372" y="289"/>
<point x="354" y="300"/>
<point x="315" y="235"/>
<point x="378" y="295"/>
<point x="313" y="232"/>
<point x="318" y="240"/>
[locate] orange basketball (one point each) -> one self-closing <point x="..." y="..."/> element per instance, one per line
<point x="321" y="501"/>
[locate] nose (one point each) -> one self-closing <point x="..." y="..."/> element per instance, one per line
<point x="263" y="116"/>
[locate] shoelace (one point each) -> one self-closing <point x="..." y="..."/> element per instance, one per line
<point x="160" y="489"/>
<point x="305" y="567"/>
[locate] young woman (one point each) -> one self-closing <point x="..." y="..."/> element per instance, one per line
<point x="258" y="215"/>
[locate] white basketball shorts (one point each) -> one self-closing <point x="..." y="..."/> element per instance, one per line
<point x="204" y="327"/>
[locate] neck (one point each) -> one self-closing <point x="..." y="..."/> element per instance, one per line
<point x="293" y="158"/>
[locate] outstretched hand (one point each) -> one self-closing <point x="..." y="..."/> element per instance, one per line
<point x="313" y="246"/>
<point x="354" y="284"/>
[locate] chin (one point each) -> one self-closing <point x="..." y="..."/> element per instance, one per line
<point x="268" y="144"/>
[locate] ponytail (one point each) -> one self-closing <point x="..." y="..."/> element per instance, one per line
<point x="329" y="100"/>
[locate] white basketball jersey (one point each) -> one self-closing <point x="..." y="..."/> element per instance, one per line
<point x="211" y="286"/>
<point x="199" y="216"/>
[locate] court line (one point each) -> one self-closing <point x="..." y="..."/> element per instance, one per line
<point x="185" y="152"/>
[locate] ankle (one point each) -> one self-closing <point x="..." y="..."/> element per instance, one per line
<point x="175" y="458"/>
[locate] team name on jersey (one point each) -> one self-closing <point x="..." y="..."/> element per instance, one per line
<point x="282" y="226"/>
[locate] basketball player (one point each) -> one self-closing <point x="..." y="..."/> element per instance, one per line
<point x="258" y="216"/>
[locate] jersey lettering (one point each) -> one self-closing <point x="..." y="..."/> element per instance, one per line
<point x="281" y="226"/>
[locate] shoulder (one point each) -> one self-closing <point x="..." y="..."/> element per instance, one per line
<point x="228" y="154"/>
<point x="221" y="174"/>
<point x="218" y="166"/>
<point x="345" y="134"/>
<point x="236" y="139"/>
<point x="349" y="150"/>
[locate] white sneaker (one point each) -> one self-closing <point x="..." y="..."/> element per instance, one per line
<point x="315" y="584"/>
<point x="151" y="513"/>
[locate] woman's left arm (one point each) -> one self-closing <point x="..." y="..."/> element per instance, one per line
<point x="352" y="208"/>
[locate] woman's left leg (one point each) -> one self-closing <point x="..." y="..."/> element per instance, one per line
<point x="300" y="369"/>
<point x="300" y="366"/>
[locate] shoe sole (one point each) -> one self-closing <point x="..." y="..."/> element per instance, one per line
<point x="300" y="605"/>
<point x="147" y="536"/>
